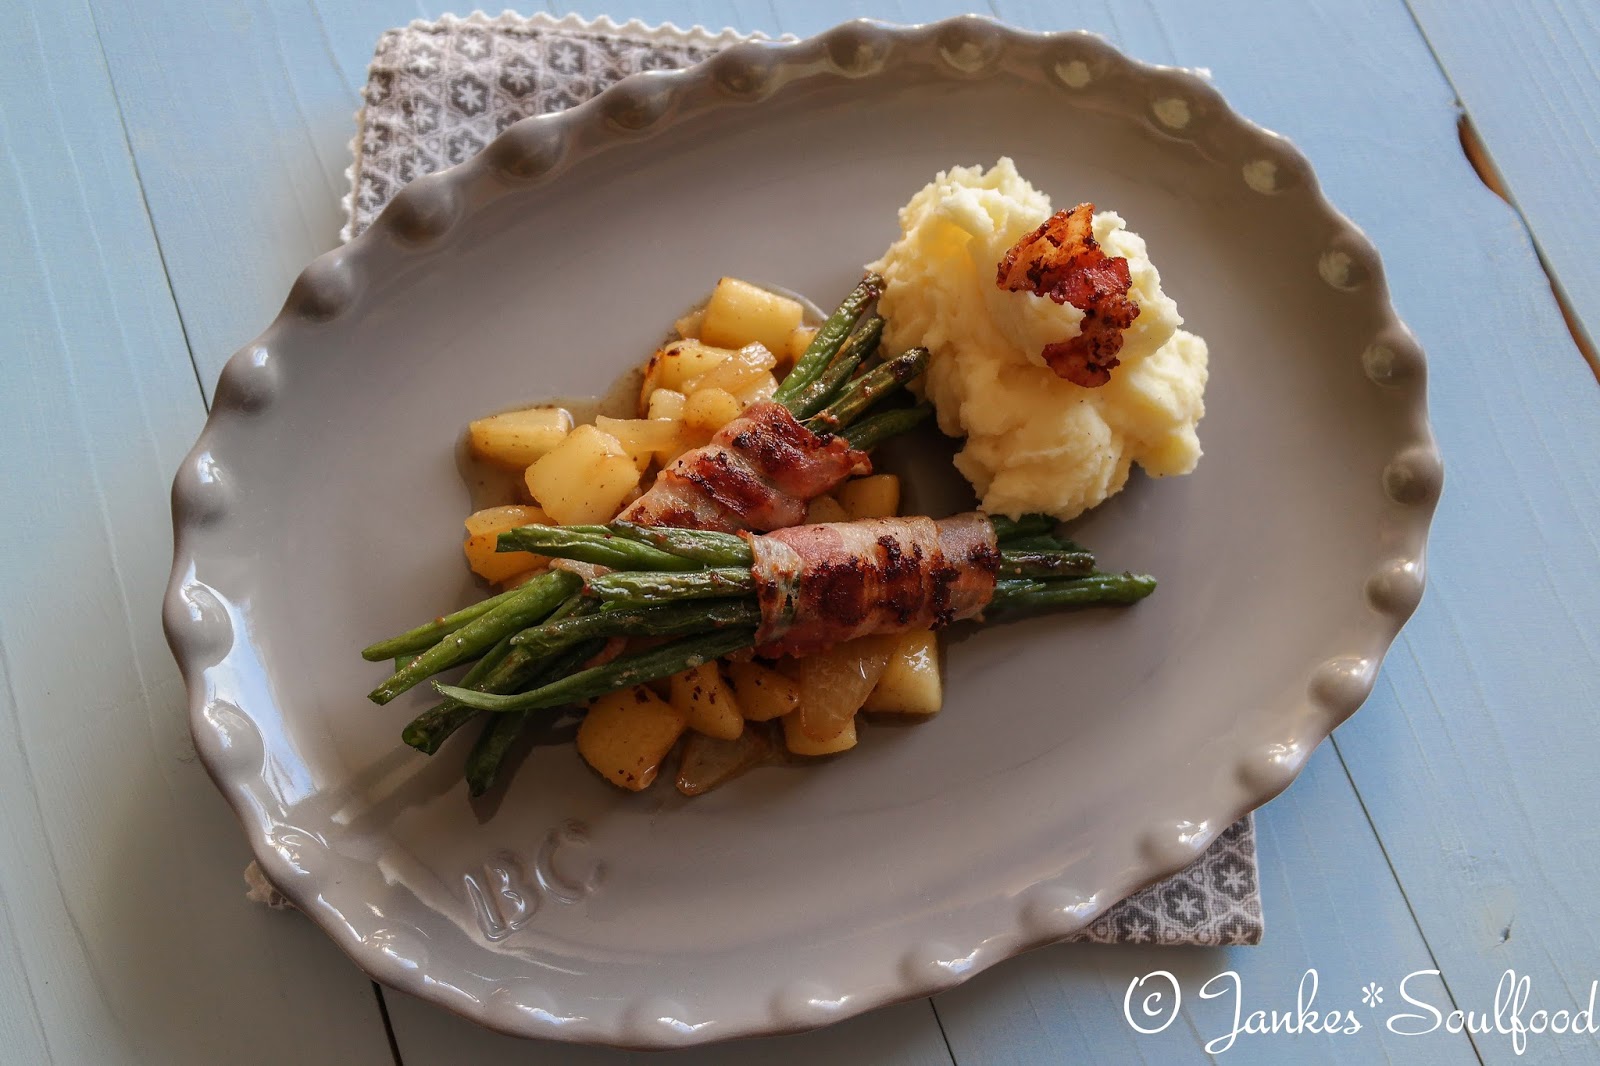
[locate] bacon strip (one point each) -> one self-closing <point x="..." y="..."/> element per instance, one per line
<point x="758" y="473"/>
<point x="823" y="584"/>
<point x="1062" y="260"/>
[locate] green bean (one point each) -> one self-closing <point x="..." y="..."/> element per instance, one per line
<point x="868" y="389"/>
<point x="1045" y="564"/>
<point x="663" y="661"/>
<point x="501" y="731"/>
<point x="1018" y="595"/>
<point x="816" y="395"/>
<point x="533" y="602"/>
<point x="591" y="544"/>
<point x="668" y="619"/>
<point x="430" y="729"/>
<point x="704" y="546"/>
<point x="868" y="433"/>
<point x="644" y="589"/>
<point x="1028" y="525"/>
<point x="420" y="639"/>
<point x="829" y="337"/>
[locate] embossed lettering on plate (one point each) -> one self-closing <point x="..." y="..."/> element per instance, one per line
<point x="506" y="895"/>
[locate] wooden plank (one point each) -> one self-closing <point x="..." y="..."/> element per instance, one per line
<point x="1330" y="905"/>
<point x="903" y="1035"/>
<point x="123" y="926"/>
<point x="1528" y="75"/>
<point x="240" y="122"/>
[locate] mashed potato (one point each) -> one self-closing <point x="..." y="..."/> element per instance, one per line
<point x="1034" y="442"/>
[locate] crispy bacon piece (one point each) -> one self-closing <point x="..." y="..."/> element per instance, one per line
<point x="1062" y="260"/>
<point x="823" y="584"/>
<point x="758" y="473"/>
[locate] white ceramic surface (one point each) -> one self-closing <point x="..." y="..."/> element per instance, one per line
<point x="1077" y="759"/>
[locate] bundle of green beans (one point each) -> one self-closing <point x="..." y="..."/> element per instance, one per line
<point x="708" y="600"/>
<point x="695" y="588"/>
<point x="832" y="388"/>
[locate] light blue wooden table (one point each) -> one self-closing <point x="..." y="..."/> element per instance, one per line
<point x="171" y="166"/>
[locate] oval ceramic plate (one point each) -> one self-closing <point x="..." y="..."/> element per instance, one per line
<point x="1077" y="758"/>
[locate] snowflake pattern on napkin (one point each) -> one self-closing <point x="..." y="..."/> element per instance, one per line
<point x="1213" y="901"/>
<point x="438" y="92"/>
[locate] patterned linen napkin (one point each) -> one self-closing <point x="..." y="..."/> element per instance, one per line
<point x="438" y="92"/>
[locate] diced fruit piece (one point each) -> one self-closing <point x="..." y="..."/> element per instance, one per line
<point x="677" y="363"/>
<point x="910" y="683"/>
<point x="707" y="702"/>
<point x="761" y="387"/>
<point x="800" y="339"/>
<point x="517" y="438"/>
<point x="825" y="509"/>
<point x="688" y="326"/>
<point x="835" y="683"/>
<point x="730" y="378"/>
<point x="500" y="519"/>
<point x="711" y="409"/>
<point x="877" y="496"/>
<point x="763" y="693"/>
<point x="627" y="733"/>
<point x="755" y="355"/>
<point x="708" y="762"/>
<point x="740" y="370"/>
<point x="739" y="313"/>
<point x="645" y="438"/>
<point x="583" y="479"/>
<point x="484" y="528"/>
<point x="798" y="741"/>
<point x="665" y="403"/>
<point x="683" y="361"/>
<point x="649" y="384"/>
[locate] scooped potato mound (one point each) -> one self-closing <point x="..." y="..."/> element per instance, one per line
<point x="1035" y="442"/>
